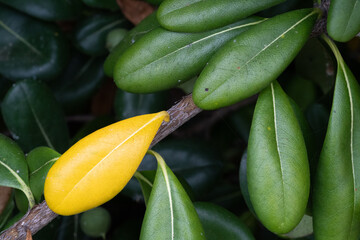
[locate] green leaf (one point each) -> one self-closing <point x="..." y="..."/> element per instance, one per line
<point x="34" y="117"/>
<point x="21" y="201"/>
<point x="315" y="63"/>
<point x="336" y="208"/>
<point x="199" y="164"/>
<point x="343" y="21"/>
<point x="13" y="168"/>
<point x="277" y="165"/>
<point x="220" y="223"/>
<point x="48" y="10"/>
<point x="162" y="59"/>
<point x="199" y="16"/>
<point x="40" y="161"/>
<point x="145" y="26"/>
<point x="253" y="59"/>
<point x="155" y="2"/>
<point x="244" y="183"/>
<point x="90" y="33"/>
<point x="303" y="229"/>
<point x="6" y="213"/>
<point x="78" y="83"/>
<point x="241" y="121"/>
<point x="105" y="4"/>
<point x="128" y="105"/>
<point x="114" y="37"/>
<point x="170" y="213"/>
<point x="146" y="180"/>
<point x="30" y="48"/>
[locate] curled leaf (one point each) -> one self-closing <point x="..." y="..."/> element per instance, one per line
<point x="97" y="167"/>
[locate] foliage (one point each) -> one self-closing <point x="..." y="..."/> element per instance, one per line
<point x="278" y="158"/>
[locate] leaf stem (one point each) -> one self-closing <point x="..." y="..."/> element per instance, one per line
<point x="333" y="48"/>
<point x="29" y="195"/>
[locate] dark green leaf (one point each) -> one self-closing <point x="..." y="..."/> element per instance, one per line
<point x="130" y="104"/>
<point x="343" y="21"/>
<point x="244" y="183"/>
<point x="155" y="2"/>
<point x="34" y="117"/>
<point x="170" y="213"/>
<point x="48" y="10"/>
<point x="82" y="77"/>
<point x="91" y="32"/>
<point x="225" y="194"/>
<point x="241" y="121"/>
<point x="335" y="203"/>
<point x="146" y="179"/>
<point x="21" y="201"/>
<point x="199" y="164"/>
<point x="30" y="48"/>
<point x="199" y="16"/>
<point x="105" y="4"/>
<point x="148" y="24"/>
<point x="219" y="223"/>
<point x="162" y="59"/>
<point x="316" y="64"/>
<point x="253" y="59"/>
<point x="13" y="220"/>
<point x="40" y="161"/>
<point x="6" y="213"/>
<point x="277" y="165"/>
<point x="13" y="168"/>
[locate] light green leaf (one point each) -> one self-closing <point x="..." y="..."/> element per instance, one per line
<point x="336" y="201"/>
<point x="162" y="59"/>
<point x="219" y="223"/>
<point x="40" y="161"/>
<point x="248" y="63"/>
<point x="13" y="168"/>
<point x="343" y="21"/>
<point x="277" y="165"/>
<point x="199" y="16"/>
<point x="170" y="213"/>
<point x="303" y="229"/>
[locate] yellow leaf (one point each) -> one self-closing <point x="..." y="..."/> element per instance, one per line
<point x="99" y="166"/>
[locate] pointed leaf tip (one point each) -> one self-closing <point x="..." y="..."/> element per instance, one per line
<point x="98" y="167"/>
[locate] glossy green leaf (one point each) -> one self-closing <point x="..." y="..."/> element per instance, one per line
<point x="244" y="183"/>
<point x="128" y="105"/>
<point x="90" y="33"/>
<point x="170" y="214"/>
<point x="277" y="165"/>
<point x="13" y="168"/>
<point x="336" y="201"/>
<point x="114" y="37"/>
<point x="343" y="21"/>
<point x="78" y="83"/>
<point x="162" y="59"/>
<point x="199" y="164"/>
<point x="40" y="161"/>
<point x="145" y="26"/>
<point x="252" y="60"/>
<point x="303" y="229"/>
<point x="48" y="10"/>
<point x="315" y="63"/>
<point x="220" y="223"/>
<point x="199" y="16"/>
<point x="33" y="116"/>
<point x="30" y="48"/>
<point x="146" y="180"/>
<point x="6" y="213"/>
<point x="105" y="4"/>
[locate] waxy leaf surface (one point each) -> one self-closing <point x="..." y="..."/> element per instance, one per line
<point x="343" y="21"/>
<point x="277" y="165"/>
<point x="336" y="201"/>
<point x="29" y="47"/>
<point x="220" y="223"/>
<point x="252" y="60"/>
<point x="199" y="16"/>
<point x="34" y="117"/>
<point x="162" y="59"/>
<point x="48" y="10"/>
<point x="170" y="214"/>
<point x="98" y="167"/>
